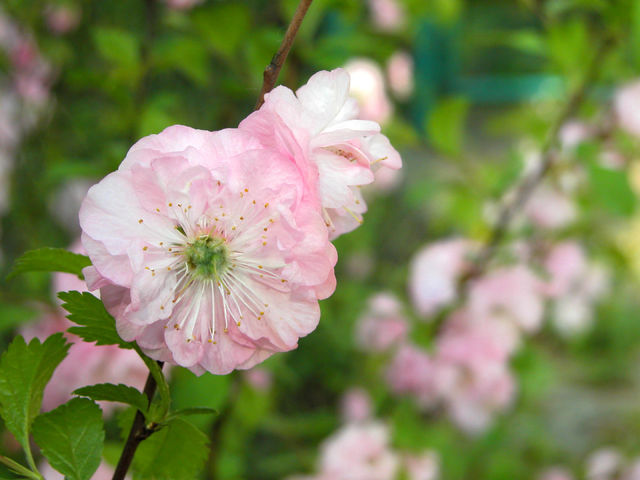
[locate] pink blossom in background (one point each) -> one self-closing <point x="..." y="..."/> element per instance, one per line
<point x="259" y="378"/>
<point x="574" y="285"/>
<point x="627" y="107"/>
<point x="604" y="464"/>
<point x="182" y="4"/>
<point x="358" y="451"/>
<point x="383" y="324"/>
<point x="400" y="74"/>
<point x="62" y="18"/>
<point x="513" y="293"/>
<point x="632" y="471"/>
<point x="207" y="249"/>
<point x="472" y="361"/>
<point x="573" y="133"/>
<point x="425" y="466"/>
<point x="566" y="264"/>
<point x="434" y="272"/>
<point x="555" y="473"/>
<point x="104" y="472"/>
<point x="412" y="371"/>
<point x="367" y="86"/>
<point x="550" y="208"/>
<point x="318" y="129"/>
<point x="355" y="405"/>
<point x="387" y="15"/>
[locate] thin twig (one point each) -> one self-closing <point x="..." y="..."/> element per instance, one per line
<point x="532" y="181"/>
<point x="138" y="432"/>
<point x="272" y="71"/>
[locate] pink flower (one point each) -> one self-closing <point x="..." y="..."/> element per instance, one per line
<point x="358" y="451"/>
<point x="400" y="74"/>
<point x="355" y="405"/>
<point x="566" y="265"/>
<point x="61" y="19"/>
<point x="555" y="473"/>
<point x="368" y="88"/>
<point x="259" y="378"/>
<point x="434" y="273"/>
<point x="206" y="249"/>
<point x="513" y="293"/>
<point x="422" y="467"/>
<point x="604" y="464"/>
<point x="549" y="208"/>
<point x="317" y="128"/>
<point x="627" y="107"/>
<point x="104" y="472"/>
<point x="412" y="371"/>
<point x="387" y="15"/>
<point x="383" y="325"/>
<point x="182" y="4"/>
<point x="472" y="363"/>
<point x="573" y="133"/>
<point x="574" y="285"/>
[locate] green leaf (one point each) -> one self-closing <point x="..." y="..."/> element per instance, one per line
<point x="15" y="467"/>
<point x="117" y="46"/>
<point x="50" y="260"/>
<point x="96" y="323"/>
<point x="115" y="393"/>
<point x="177" y="452"/>
<point x="611" y="189"/>
<point x="71" y="437"/>
<point x="192" y="411"/>
<point x="24" y="372"/>
<point x="446" y="124"/>
<point x="228" y="35"/>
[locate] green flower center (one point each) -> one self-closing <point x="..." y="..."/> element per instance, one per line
<point x="207" y="257"/>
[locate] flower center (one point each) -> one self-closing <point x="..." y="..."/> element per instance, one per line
<point x="207" y="257"/>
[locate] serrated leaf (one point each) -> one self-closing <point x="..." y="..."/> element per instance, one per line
<point x="50" y="260"/>
<point x="96" y="323"/>
<point x="71" y="437"/>
<point x="115" y="393"/>
<point x="24" y="372"/>
<point x="177" y="452"/>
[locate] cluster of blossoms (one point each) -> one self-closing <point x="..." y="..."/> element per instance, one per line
<point x="603" y="464"/>
<point x="466" y="371"/>
<point x="24" y="92"/>
<point x="100" y="364"/>
<point x="361" y="450"/>
<point x="212" y="249"/>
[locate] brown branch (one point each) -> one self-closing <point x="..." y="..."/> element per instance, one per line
<point x="272" y="71"/>
<point x="139" y="431"/>
<point x="535" y="178"/>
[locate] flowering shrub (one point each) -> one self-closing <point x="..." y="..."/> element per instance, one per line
<point x="415" y="259"/>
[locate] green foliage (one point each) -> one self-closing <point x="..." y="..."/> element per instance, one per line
<point x="71" y="438"/>
<point x="50" y="260"/>
<point x="96" y="323"/>
<point x="117" y="46"/>
<point x="25" y="370"/>
<point x="177" y="452"/>
<point x="115" y="393"/>
<point x="611" y="189"/>
<point x="446" y="125"/>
